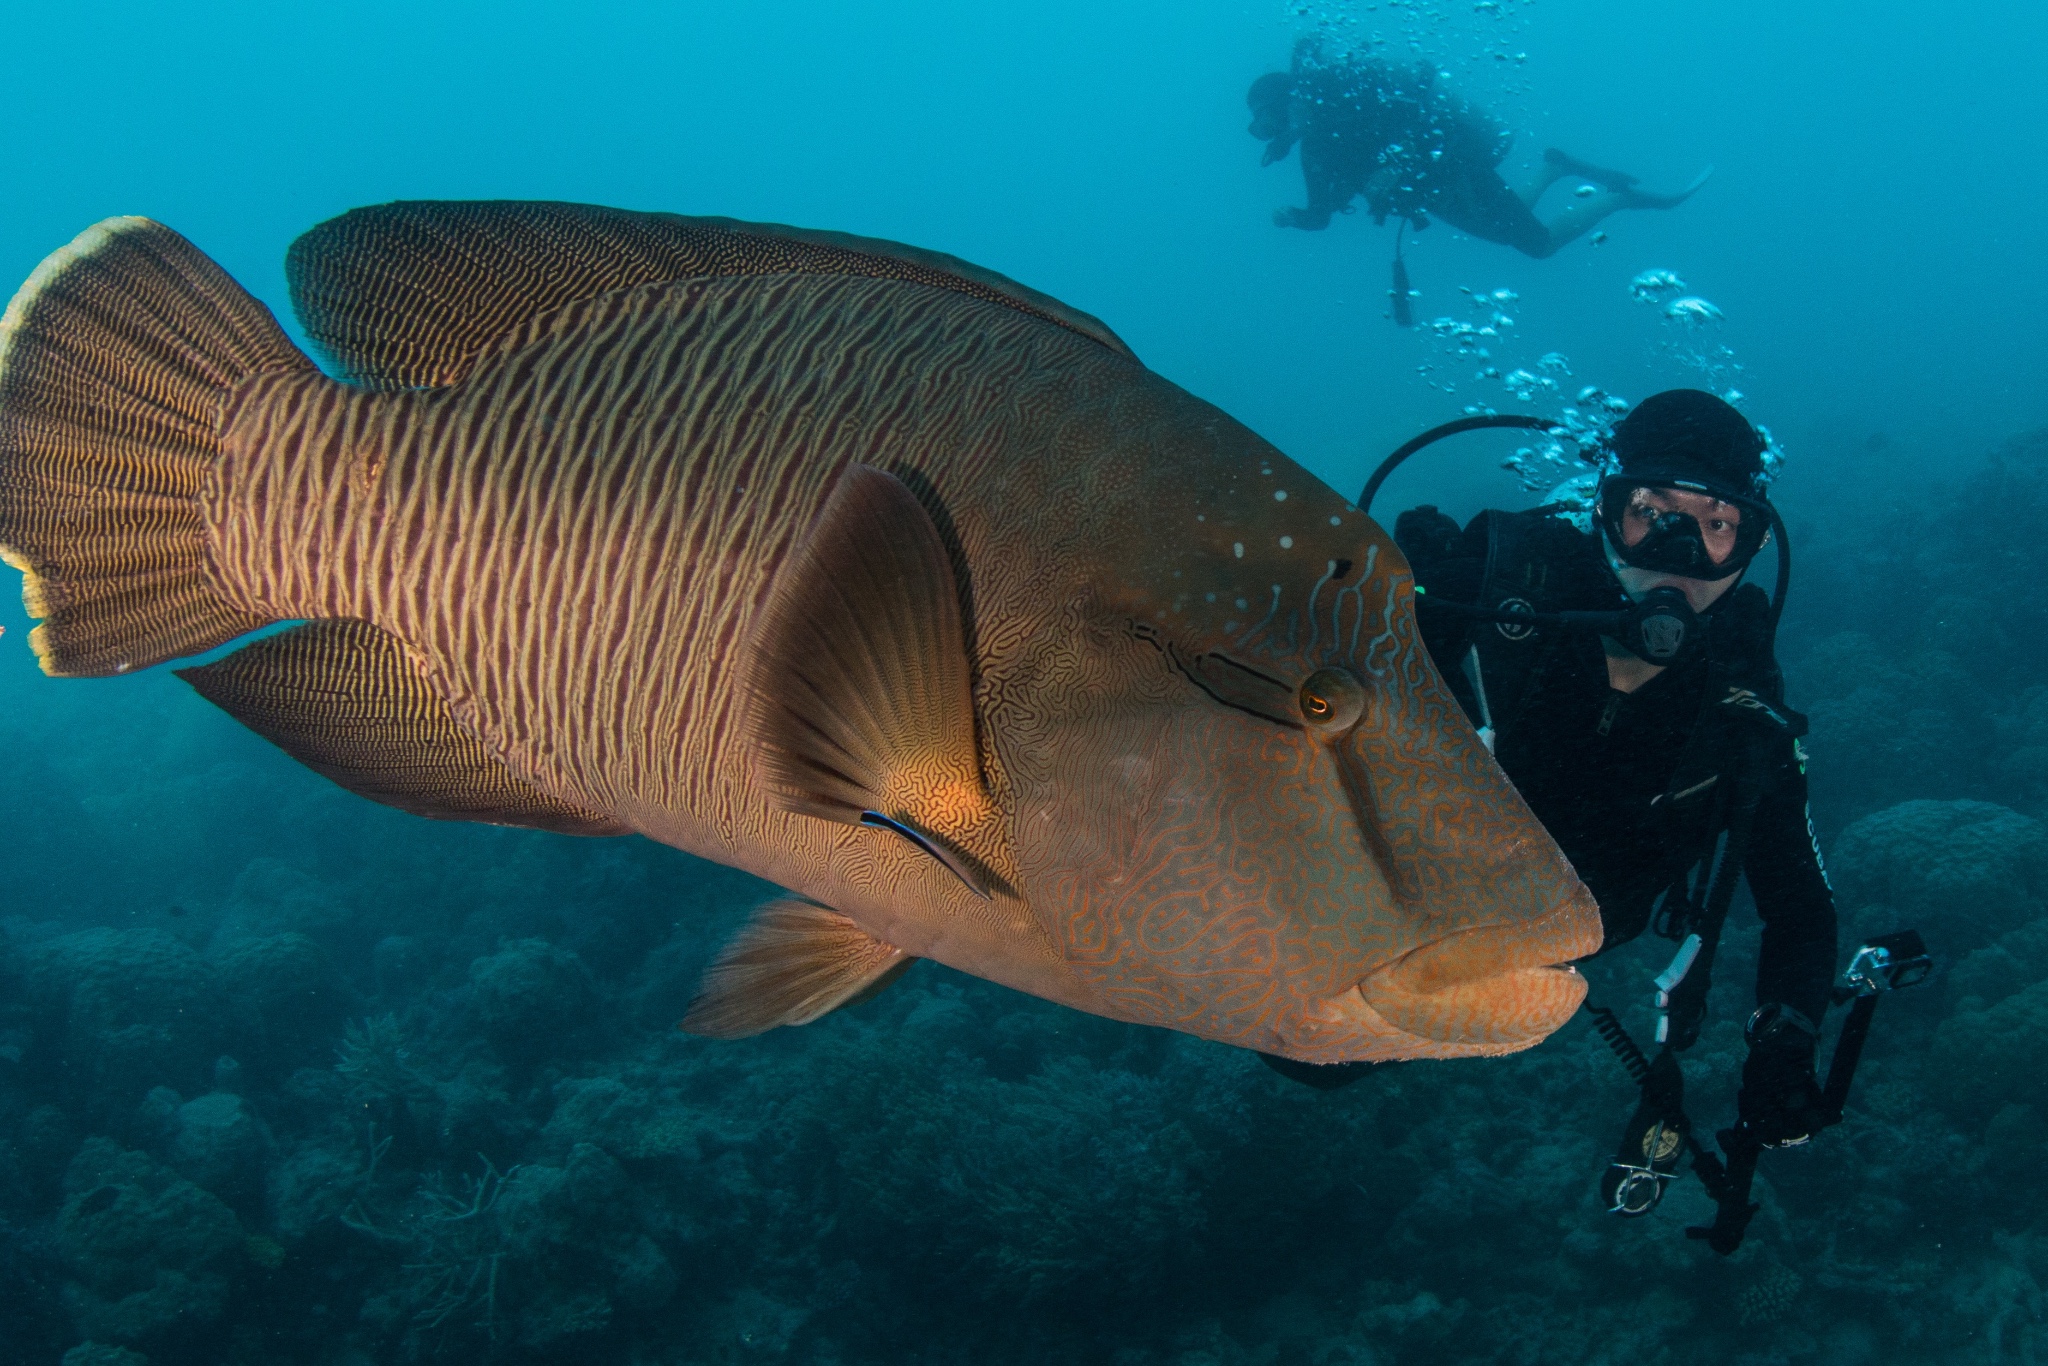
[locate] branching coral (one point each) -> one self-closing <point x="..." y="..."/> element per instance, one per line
<point x="451" y="1245"/>
<point x="375" y="1056"/>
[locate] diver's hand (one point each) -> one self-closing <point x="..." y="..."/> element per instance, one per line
<point x="1780" y="1101"/>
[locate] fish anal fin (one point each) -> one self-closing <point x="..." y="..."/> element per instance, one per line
<point x="794" y="962"/>
<point x="346" y="699"/>
<point x="861" y="706"/>
<point x="407" y="295"/>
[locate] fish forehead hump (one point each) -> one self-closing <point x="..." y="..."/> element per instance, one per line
<point x="1225" y="847"/>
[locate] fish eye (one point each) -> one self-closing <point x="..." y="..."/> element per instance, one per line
<point x="1331" y="701"/>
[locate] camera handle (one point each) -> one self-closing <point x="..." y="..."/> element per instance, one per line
<point x="1888" y="963"/>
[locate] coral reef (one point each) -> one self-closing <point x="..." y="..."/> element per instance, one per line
<point x="120" y="1011"/>
<point x="1765" y="1299"/>
<point x="100" y="1354"/>
<point x="151" y="1254"/>
<point x="288" y="1078"/>
<point x="1976" y="867"/>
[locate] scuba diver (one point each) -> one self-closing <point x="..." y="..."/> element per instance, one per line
<point x="1656" y="748"/>
<point x="1413" y="151"/>
<point x="1623" y="674"/>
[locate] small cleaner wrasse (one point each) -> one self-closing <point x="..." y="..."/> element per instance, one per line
<point x="855" y="566"/>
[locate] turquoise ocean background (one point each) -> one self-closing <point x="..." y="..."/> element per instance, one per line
<point x="287" y="1077"/>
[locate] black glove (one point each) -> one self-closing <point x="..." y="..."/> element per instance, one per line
<point x="1780" y="1101"/>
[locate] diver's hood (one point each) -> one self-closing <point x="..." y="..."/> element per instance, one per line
<point x="1686" y="439"/>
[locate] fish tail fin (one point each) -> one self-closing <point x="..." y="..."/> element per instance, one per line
<point x="117" y="361"/>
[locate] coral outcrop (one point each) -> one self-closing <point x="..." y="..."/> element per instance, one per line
<point x="288" y="1078"/>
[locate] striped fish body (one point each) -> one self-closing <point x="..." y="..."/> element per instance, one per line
<point x="577" y="540"/>
<point x="596" y="546"/>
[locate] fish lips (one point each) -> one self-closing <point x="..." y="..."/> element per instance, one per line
<point x="1495" y="989"/>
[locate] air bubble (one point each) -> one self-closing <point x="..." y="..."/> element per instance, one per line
<point x="1692" y="311"/>
<point x="1654" y="286"/>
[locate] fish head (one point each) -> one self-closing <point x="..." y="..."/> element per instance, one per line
<point x="1263" y="818"/>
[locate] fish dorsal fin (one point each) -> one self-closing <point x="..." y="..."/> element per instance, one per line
<point x="406" y="295"/>
<point x="345" y="699"/>
<point x="794" y="962"/>
<point x="861" y="696"/>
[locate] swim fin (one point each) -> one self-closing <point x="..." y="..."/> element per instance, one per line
<point x="1619" y="181"/>
<point x="1642" y="199"/>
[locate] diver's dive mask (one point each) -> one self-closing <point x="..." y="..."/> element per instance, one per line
<point x="1676" y="543"/>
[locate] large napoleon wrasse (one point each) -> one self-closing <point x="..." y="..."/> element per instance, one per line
<point x="855" y="566"/>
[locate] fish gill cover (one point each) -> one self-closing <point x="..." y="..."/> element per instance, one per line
<point x="289" y="1077"/>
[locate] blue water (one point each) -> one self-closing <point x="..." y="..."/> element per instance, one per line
<point x="454" y="1121"/>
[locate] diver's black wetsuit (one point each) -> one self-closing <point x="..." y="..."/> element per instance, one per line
<point x="1596" y="765"/>
<point x="1397" y="137"/>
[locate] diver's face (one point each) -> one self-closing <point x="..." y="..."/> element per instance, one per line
<point x="1719" y="522"/>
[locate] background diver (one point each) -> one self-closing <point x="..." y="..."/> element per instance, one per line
<point x="1414" y="150"/>
<point x="1639" y="756"/>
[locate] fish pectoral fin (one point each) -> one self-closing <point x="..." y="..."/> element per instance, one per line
<point x="794" y="962"/>
<point x="346" y="699"/>
<point x="861" y="703"/>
